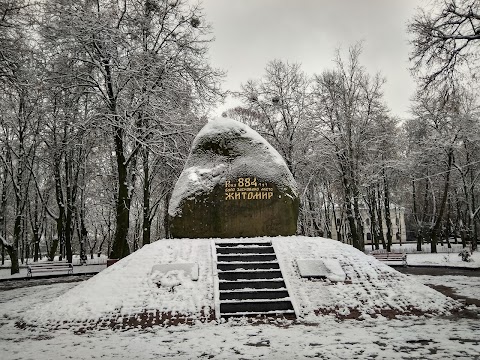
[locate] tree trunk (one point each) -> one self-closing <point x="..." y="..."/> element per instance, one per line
<point x="120" y="247"/>
<point x="147" y="223"/>
<point x="373" y="219"/>
<point x="3" y="211"/>
<point x="13" y="253"/>
<point x="448" y="229"/>
<point x="381" y="236"/>
<point x="166" y="221"/>
<point x="415" y="216"/>
<point x="359" y="223"/>
<point x="71" y="185"/>
<point x="351" y="218"/>
<point x="386" y="201"/>
<point x="438" y="221"/>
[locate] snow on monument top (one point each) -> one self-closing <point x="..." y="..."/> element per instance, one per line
<point x="228" y="148"/>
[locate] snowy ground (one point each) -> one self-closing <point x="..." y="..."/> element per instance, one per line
<point x="445" y="257"/>
<point x="370" y="285"/>
<point x="465" y="286"/>
<point x="409" y="338"/>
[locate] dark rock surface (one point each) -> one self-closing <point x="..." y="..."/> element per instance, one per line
<point x="234" y="184"/>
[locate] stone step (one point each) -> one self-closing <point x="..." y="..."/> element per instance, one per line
<point x="245" y="250"/>
<point x="235" y="306"/>
<point x="254" y="294"/>
<point x="251" y="284"/>
<point x="232" y="265"/>
<point x="245" y="257"/>
<point x="230" y="244"/>
<point x="289" y="314"/>
<point x="250" y="274"/>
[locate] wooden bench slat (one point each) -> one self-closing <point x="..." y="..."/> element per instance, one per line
<point x="49" y="267"/>
<point x="391" y="257"/>
<point x="48" y="264"/>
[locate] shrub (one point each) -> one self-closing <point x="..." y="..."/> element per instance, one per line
<point x="466" y="255"/>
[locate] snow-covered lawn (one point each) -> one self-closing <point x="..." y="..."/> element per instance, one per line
<point x="443" y="259"/>
<point x="409" y="338"/>
<point x="448" y="257"/>
<point x="61" y="321"/>
<point x="465" y="286"/>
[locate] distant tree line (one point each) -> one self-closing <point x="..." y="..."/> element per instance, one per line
<point x="100" y="101"/>
<point x="350" y="156"/>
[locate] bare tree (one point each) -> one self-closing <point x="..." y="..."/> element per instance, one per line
<point x="446" y="41"/>
<point x="135" y="55"/>
<point x="436" y="132"/>
<point x="348" y="101"/>
<point x="277" y="106"/>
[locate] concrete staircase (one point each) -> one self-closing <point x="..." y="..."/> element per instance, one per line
<point x="250" y="281"/>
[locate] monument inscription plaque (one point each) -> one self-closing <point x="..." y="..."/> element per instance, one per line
<point x="234" y="184"/>
<point x="247" y="189"/>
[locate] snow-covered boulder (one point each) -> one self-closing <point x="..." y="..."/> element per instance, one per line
<point x="234" y="184"/>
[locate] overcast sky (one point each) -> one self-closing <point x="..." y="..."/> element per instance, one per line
<point x="250" y="33"/>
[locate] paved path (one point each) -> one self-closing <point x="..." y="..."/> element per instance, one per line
<point x="437" y="271"/>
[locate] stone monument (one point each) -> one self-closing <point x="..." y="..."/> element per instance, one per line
<point x="234" y="184"/>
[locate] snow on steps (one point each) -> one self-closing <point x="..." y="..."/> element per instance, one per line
<point x="250" y="281"/>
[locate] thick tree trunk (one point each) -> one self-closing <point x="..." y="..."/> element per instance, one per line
<point x="448" y="229"/>
<point x="71" y="180"/>
<point x="147" y="223"/>
<point x="36" y="248"/>
<point x="360" y="240"/>
<point x="60" y="219"/>
<point x="82" y="234"/>
<point x="34" y="221"/>
<point x="435" y="231"/>
<point x="473" y="220"/>
<point x="166" y="219"/>
<point x="68" y="234"/>
<point x="13" y="253"/>
<point x="316" y="227"/>
<point x="381" y="236"/>
<point x="17" y="233"/>
<point x="373" y="220"/>
<point x="120" y="248"/>
<point x="3" y="218"/>
<point x="386" y="201"/>
<point x="415" y="216"/>
<point x="350" y="212"/>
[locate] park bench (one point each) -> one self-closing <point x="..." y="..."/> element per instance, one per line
<point x="49" y="267"/>
<point x="388" y="257"/>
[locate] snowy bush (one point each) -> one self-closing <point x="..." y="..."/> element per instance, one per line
<point x="466" y="255"/>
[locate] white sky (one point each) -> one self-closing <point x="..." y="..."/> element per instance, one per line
<point x="250" y="33"/>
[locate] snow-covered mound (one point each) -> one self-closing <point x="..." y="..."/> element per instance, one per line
<point x="371" y="287"/>
<point x="130" y="290"/>
<point x="129" y="293"/>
